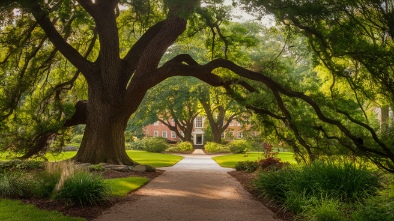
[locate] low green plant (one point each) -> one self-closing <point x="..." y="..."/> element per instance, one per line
<point x="185" y="146"/>
<point x="15" y="185"/>
<point x="97" y="168"/>
<point x="375" y="208"/>
<point x="83" y="188"/>
<point x="21" y="165"/>
<point x="248" y="166"/>
<point x="344" y="181"/>
<point x="212" y="147"/>
<point x="325" y="210"/>
<point x="155" y="144"/>
<point x="239" y="146"/>
<point x="45" y="183"/>
<point x="275" y="184"/>
<point x="135" y="145"/>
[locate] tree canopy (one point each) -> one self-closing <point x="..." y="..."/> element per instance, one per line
<point x="103" y="56"/>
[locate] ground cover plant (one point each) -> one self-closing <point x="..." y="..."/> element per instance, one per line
<point x="324" y="190"/>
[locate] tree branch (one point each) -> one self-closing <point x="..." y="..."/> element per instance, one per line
<point x="58" y="41"/>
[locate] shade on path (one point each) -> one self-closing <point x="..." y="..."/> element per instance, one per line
<point x="196" y="188"/>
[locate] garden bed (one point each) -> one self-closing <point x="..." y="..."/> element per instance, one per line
<point x="92" y="212"/>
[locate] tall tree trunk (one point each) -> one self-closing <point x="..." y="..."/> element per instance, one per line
<point x="104" y="139"/>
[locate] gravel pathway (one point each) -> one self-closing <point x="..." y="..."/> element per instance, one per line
<point x="196" y="188"/>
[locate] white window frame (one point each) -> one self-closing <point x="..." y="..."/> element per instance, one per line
<point x="164" y="134"/>
<point x="231" y="133"/>
<point x="156" y="123"/>
<point x="173" y="134"/>
<point x="231" y="123"/>
<point x="239" y="124"/>
<point x="199" y="123"/>
<point x="240" y="134"/>
<point x="155" y="133"/>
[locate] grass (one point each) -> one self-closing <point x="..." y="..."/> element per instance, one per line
<point x="141" y="157"/>
<point x="14" y="210"/>
<point x="122" y="186"/>
<point x="231" y="159"/>
<point x="153" y="159"/>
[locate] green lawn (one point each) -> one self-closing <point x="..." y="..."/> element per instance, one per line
<point x="122" y="186"/>
<point x="231" y="159"/>
<point x="141" y="157"/>
<point x="153" y="159"/>
<point x="14" y="210"/>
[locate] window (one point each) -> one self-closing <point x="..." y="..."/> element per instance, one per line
<point x="231" y="123"/>
<point x="181" y="133"/>
<point x="239" y="134"/>
<point x="239" y="124"/>
<point x="223" y="135"/>
<point x="164" y="134"/>
<point x="156" y="123"/>
<point x="198" y="122"/>
<point x="173" y="134"/>
<point x="173" y="121"/>
<point x="231" y="134"/>
<point x="155" y="133"/>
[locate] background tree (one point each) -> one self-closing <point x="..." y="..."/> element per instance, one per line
<point x="174" y="103"/>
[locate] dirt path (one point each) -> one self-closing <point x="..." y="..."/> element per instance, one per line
<point x="196" y="188"/>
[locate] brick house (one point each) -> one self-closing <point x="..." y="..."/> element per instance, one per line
<point x="157" y="129"/>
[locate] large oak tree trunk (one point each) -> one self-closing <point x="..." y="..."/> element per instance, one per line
<point x="104" y="139"/>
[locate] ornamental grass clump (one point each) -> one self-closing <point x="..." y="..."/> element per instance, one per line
<point x="17" y="184"/>
<point x="83" y="188"/>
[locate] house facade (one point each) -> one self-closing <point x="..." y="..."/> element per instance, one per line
<point x="158" y="129"/>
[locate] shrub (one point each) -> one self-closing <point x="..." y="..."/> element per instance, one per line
<point x="21" y="165"/>
<point x="212" y="147"/>
<point x="248" y="166"/>
<point x="155" y="144"/>
<point x="135" y="145"/>
<point x="15" y="185"/>
<point x="271" y="163"/>
<point x="185" y="146"/>
<point x="45" y="184"/>
<point x="239" y="146"/>
<point x="83" y="188"/>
